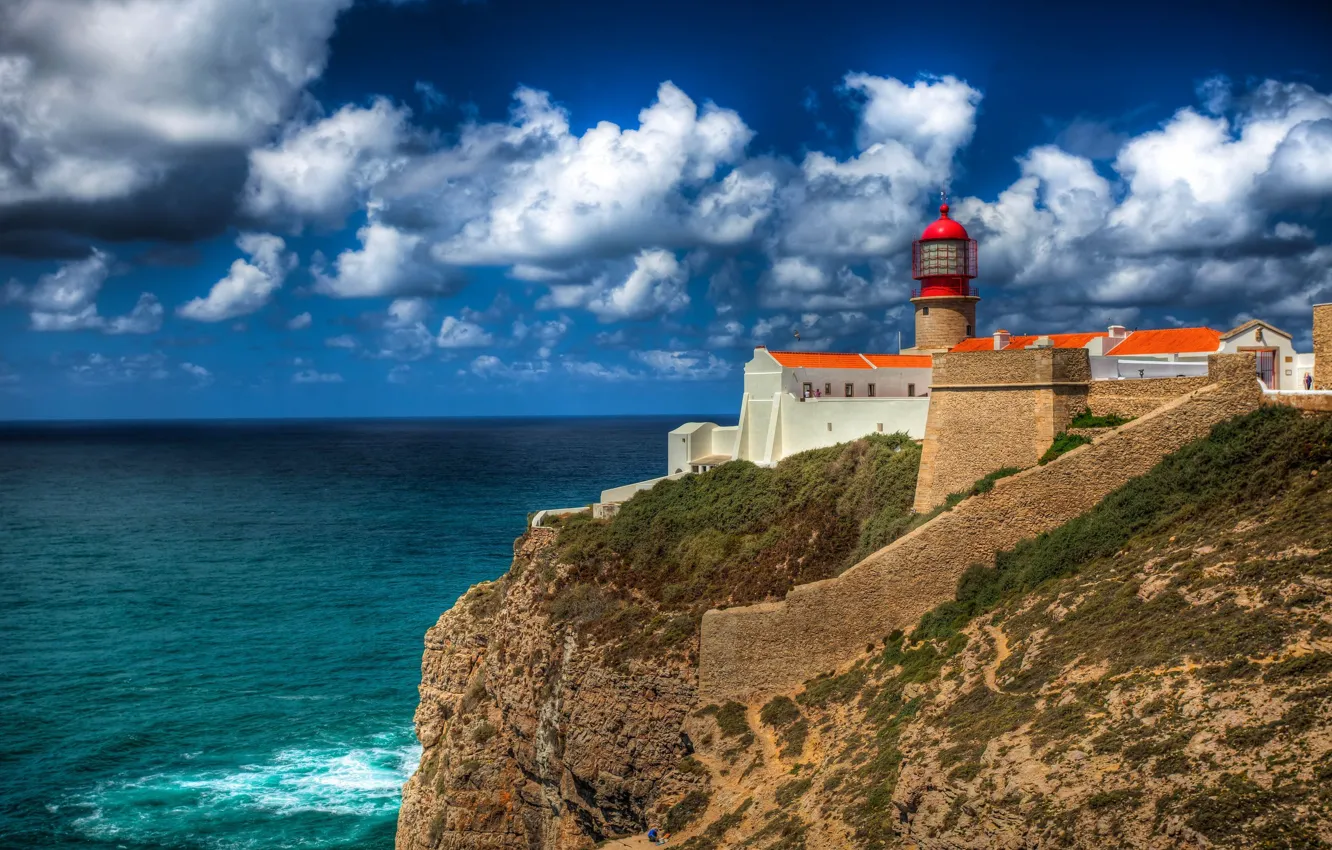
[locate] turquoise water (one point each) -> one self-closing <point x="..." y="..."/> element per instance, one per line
<point x="211" y="634"/>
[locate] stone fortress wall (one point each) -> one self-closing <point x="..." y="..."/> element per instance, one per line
<point x="992" y="409"/>
<point x="774" y="647"/>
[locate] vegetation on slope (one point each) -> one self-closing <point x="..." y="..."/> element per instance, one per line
<point x="737" y="534"/>
<point x="1132" y="628"/>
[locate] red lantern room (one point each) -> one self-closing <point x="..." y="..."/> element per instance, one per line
<point x="943" y="259"/>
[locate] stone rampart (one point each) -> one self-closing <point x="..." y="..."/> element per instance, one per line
<point x="774" y="647"/>
<point x="1134" y="397"/>
<point x="994" y="409"/>
<point x="1322" y="346"/>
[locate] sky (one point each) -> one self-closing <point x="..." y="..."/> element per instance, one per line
<point x="315" y="208"/>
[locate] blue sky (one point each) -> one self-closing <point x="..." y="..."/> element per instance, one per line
<point x="431" y="208"/>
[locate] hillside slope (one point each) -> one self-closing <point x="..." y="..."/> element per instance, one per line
<point x="1156" y="673"/>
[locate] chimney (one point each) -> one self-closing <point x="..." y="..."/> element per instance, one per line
<point x="1118" y="331"/>
<point x="1000" y="339"/>
<point x="1042" y="342"/>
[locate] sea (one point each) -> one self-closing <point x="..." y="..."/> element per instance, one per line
<point x="211" y="633"/>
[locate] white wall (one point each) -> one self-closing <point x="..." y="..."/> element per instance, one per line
<point x="1113" y="368"/>
<point x="624" y="492"/>
<point x="889" y="382"/>
<point x="1304" y="364"/>
<point x="758" y="415"/>
<point x="805" y="424"/>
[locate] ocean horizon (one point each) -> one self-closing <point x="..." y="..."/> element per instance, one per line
<point x="212" y="629"/>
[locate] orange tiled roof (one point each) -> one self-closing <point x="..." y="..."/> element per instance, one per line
<point x="975" y="343"/>
<point x="1169" y="341"/>
<point x="901" y="361"/>
<point x="819" y="360"/>
<point x="986" y="343"/>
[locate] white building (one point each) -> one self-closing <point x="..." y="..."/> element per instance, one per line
<point x="796" y="400"/>
<point x="1118" y="353"/>
<point x="793" y="401"/>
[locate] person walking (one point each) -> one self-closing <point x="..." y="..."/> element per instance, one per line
<point x="1308" y="381"/>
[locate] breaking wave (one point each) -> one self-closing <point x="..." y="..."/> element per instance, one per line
<point x="321" y="794"/>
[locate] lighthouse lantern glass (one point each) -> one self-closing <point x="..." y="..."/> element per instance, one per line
<point x="943" y="257"/>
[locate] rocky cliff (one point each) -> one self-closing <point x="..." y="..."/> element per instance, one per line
<point x="1153" y="674"/>
<point x="536" y="735"/>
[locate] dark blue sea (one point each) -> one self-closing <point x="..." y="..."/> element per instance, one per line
<point x="210" y="634"/>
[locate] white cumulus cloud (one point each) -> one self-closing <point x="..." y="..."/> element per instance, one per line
<point x="459" y="333"/>
<point x="318" y="171"/>
<point x="66" y="300"/>
<point x="248" y="285"/>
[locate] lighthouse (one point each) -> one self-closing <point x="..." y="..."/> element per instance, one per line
<point x="943" y="259"/>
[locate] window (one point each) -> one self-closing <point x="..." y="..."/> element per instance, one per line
<point x="829" y="426"/>
<point x="827" y="389"/>
<point x="850" y="390"/>
<point x="911" y="390"/>
<point x="870" y="392"/>
<point x="878" y="426"/>
<point x="925" y="311"/>
<point x="968" y="330"/>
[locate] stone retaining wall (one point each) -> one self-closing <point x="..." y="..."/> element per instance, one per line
<point x="774" y="647"/>
<point x="1134" y="397"/>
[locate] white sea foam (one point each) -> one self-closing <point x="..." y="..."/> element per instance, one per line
<point x="363" y="780"/>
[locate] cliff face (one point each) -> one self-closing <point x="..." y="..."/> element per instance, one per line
<point x="534" y="736"/>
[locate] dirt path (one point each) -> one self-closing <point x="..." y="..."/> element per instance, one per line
<point x="634" y="841"/>
<point x="766" y="737"/>
<point x="1001" y="652"/>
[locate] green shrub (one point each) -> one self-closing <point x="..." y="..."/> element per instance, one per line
<point x="730" y="717"/>
<point x="581" y="603"/>
<point x="1086" y="419"/>
<point x="832" y="689"/>
<point x="1312" y="665"/>
<point x="688" y="810"/>
<point x="779" y="711"/>
<point x="483" y="732"/>
<point x="793" y="739"/>
<point x="789" y="792"/>
<point x="1063" y="442"/>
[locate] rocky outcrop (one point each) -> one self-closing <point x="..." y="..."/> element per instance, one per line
<point x="535" y="739"/>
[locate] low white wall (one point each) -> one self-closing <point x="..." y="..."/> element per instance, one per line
<point x="1128" y="368"/>
<point x="539" y="518"/>
<point x="805" y="423"/>
<point x="626" y="491"/>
